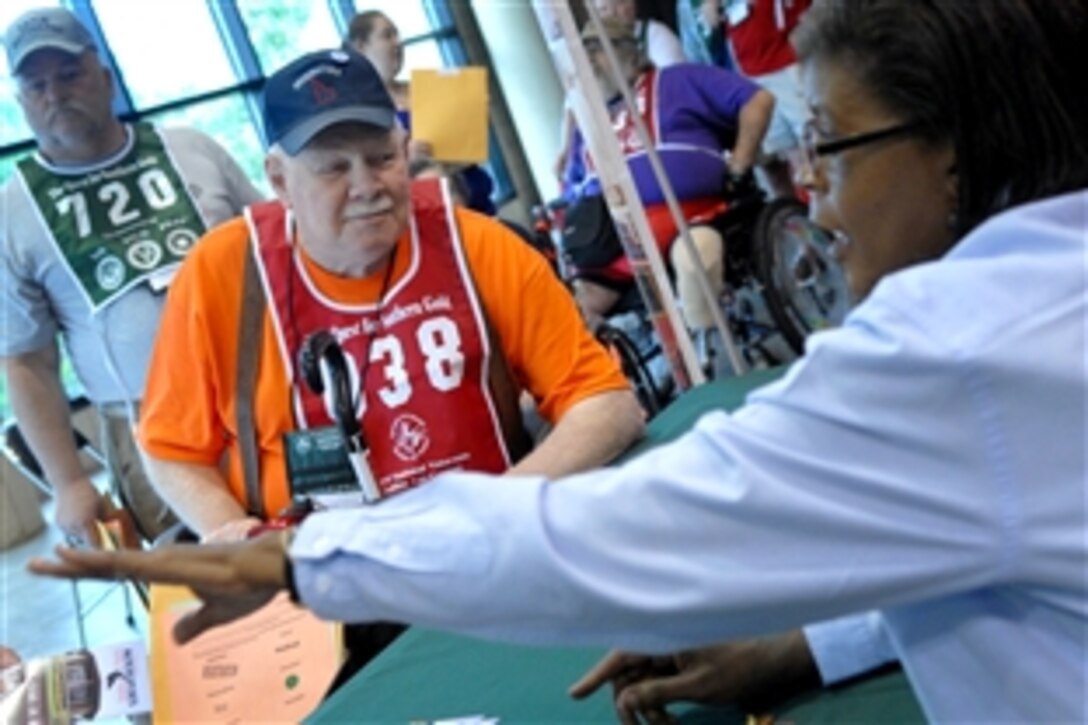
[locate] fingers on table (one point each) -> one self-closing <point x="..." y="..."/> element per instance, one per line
<point x="606" y="670"/>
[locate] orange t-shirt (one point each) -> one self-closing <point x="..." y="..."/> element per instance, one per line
<point x="188" y="412"/>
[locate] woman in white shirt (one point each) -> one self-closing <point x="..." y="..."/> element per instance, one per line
<point x="926" y="459"/>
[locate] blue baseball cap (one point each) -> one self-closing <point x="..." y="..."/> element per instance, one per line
<point x="319" y="90"/>
<point x="54" y="28"/>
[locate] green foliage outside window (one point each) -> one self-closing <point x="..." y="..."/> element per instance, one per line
<point x="227" y="120"/>
<point x="282" y="31"/>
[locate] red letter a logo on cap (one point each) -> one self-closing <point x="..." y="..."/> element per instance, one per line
<point x="323" y="94"/>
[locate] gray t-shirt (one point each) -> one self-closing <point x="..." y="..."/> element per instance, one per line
<point x="110" y="350"/>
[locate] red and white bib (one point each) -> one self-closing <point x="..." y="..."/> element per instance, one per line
<point x="624" y="125"/>
<point x="427" y="406"/>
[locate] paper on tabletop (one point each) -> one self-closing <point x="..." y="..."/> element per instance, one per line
<point x="274" y="665"/>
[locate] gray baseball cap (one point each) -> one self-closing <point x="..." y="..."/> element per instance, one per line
<point x="55" y="28"/>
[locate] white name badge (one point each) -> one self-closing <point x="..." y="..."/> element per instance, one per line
<point x="160" y="280"/>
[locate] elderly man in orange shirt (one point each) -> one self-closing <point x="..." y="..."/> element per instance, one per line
<point x="443" y="317"/>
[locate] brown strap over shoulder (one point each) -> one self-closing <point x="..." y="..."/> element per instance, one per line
<point x="504" y="388"/>
<point x="250" y="332"/>
<point x="507" y="396"/>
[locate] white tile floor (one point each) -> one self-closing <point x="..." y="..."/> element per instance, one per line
<point x="38" y="615"/>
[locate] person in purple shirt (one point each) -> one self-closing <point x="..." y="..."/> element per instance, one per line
<point x="707" y="125"/>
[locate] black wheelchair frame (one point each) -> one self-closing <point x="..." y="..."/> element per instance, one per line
<point x="781" y="285"/>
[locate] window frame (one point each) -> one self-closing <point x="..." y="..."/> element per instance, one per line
<point x="250" y="76"/>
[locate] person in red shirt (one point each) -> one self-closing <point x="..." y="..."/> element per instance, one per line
<point x="758" y="33"/>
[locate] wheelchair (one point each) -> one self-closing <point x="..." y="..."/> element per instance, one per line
<point x="781" y="284"/>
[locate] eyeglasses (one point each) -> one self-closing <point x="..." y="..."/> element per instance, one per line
<point x="814" y="148"/>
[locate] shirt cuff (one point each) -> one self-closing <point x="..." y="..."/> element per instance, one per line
<point x="848" y="646"/>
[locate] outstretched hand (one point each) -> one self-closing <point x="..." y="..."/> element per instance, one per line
<point x="753" y="674"/>
<point x="231" y="580"/>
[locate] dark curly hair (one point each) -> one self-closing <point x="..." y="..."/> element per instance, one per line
<point x="1003" y="81"/>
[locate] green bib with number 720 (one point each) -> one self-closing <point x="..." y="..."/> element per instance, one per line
<point x="120" y="225"/>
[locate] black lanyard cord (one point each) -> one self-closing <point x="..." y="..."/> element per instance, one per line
<point x="298" y="338"/>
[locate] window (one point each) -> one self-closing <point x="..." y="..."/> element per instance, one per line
<point x="423" y="55"/>
<point x="281" y="31"/>
<point x="207" y="59"/>
<point x="227" y="119"/>
<point x="185" y="59"/>
<point x="202" y="64"/>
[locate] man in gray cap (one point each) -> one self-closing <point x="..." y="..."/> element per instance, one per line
<point x="95" y="224"/>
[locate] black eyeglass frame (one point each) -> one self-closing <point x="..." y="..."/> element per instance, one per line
<point x="815" y="150"/>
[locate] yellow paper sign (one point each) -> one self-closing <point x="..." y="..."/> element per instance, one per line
<point x="449" y="111"/>
<point x="274" y="665"/>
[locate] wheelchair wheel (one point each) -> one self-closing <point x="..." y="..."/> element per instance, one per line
<point x="634" y="367"/>
<point x="804" y="287"/>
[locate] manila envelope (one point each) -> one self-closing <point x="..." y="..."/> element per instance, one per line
<point x="449" y="111"/>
